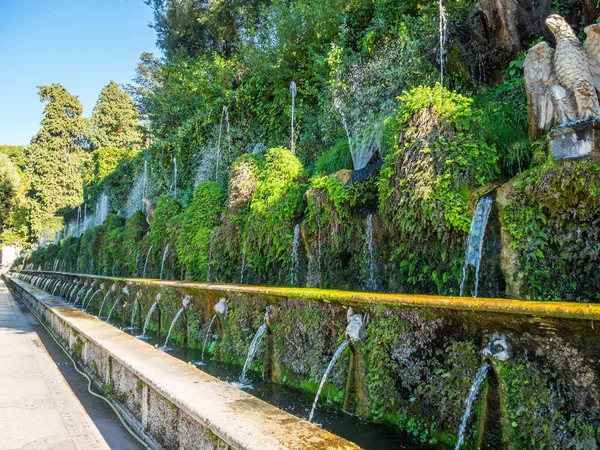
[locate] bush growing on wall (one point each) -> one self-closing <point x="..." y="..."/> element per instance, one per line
<point x="198" y="221"/>
<point x="229" y="239"/>
<point x="553" y="222"/>
<point x="276" y="206"/>
<point x="425" y="186"/>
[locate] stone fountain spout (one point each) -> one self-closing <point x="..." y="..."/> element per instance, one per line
<point x="356" y="328"/>
<point x="221" y="307"/>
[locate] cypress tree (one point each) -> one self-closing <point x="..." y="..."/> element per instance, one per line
<point x="56" y="154"/>
<point x="115" y="120"/>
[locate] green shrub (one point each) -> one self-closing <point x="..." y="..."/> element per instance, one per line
<point x="229" y="239"/>
<point x="198" y="221"/>
<point x="276" y="205"/>
<point x="163" y="227"/>
<point x="134" y="231"/>
<point x="552" y="221"/>
<point x="425" y="186"/>
<point x="334" y="229"/>
<point x="336" y="158"/>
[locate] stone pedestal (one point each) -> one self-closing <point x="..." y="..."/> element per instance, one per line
<point x="575" y="141"/>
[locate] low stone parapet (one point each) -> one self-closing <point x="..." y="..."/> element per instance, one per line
<point x="175" y="403"/>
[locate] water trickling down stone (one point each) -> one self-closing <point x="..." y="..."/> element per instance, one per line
<point x="164" y="258"/>
<point x="146" y="262"/>
<point x="224" y="117"/>
<point x="113" y="307"/>
<point x="443" y="37"/>
<point x="102" y="304"/>
<point x="206" y="338"/>
<point x="147" y="321"/>
<point x="136" y="306"/>
<point x="175" y="319"/>
<point x="294" y="268"/>
<point x="370" y="256"/>
<point x="475" y="241"/>
<point x="292" y="137"/>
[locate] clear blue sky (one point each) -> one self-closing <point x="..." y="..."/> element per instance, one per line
<point x="81" y="44"/>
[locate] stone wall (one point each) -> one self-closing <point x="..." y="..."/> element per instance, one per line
<point x="178" y="406"/>
<point x="418" y="362"/>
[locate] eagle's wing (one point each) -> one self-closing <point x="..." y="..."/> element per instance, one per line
<point x="592" y="48"/>
<point x="539" y="78"/>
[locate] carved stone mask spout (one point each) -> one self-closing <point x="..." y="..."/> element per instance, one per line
<point x="270" y="315"/>
<point x="356" y="329"/>
<point x="499" y="347"/>
<point x="185" y="302"/>
<point x="221" y="307"/>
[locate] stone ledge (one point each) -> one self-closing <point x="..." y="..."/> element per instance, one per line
<point x="168" y="387"/>
<point x="564" y="310"/>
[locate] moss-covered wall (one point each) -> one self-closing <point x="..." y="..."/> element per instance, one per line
<point x="418" y="363"/>
<point x="552" y="219"/>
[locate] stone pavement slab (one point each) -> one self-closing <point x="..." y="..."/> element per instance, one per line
<point x="38" y="410"/>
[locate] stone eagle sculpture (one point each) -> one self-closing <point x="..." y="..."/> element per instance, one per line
<point x="561" y="83"/>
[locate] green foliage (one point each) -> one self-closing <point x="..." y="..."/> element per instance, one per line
<point x="334" y="230"/>
<point x="335" y="159"/>
<point x="134" y="231"/>
<point x="107" y="160"/>
<point x="115" y="122"/>
<point x="276" y="205"/>
<point x="16" y="154"/>
<point x="56" y="155"/>
<point x="448" y="106"/>
<point x="10" y="188"/>
<point x="198" y="221"/>
<point x="425" y="185"/>
<point x="504" y="119"/>
<point x="111" y="262"/>
<point x="539" y="415"/>
<point x="229" y="240"/>
<point x="165" y="221"/>
<point x="193" y="28"/>
<point x="552" y="220"/>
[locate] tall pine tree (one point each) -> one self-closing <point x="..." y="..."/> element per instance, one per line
<point x="56" y="155"/>
<point x="115" y="120"/>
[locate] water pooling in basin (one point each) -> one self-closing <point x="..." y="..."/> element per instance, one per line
<point x="368" y="435"/>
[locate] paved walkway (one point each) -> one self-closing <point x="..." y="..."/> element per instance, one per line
<point x="38" y="409"/>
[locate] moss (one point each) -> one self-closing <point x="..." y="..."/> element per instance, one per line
<point x="553" y="221"/>
<point x="425" y="185"/>
<point x="164" y="228"/>
<point x="139" y="386"/>
<point x="78" y="349"/>
<point x="333" y="231"/>
<point x="334" y="159"/>
<point x="306" y="339"/>
<point x="133" y="232"/>
<point x="198" y="221"/>
<point x="540" y="416"/>
<point x="276" y="205"/>
<point x="244" y="317"/>
<point x="229" y="240"/>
